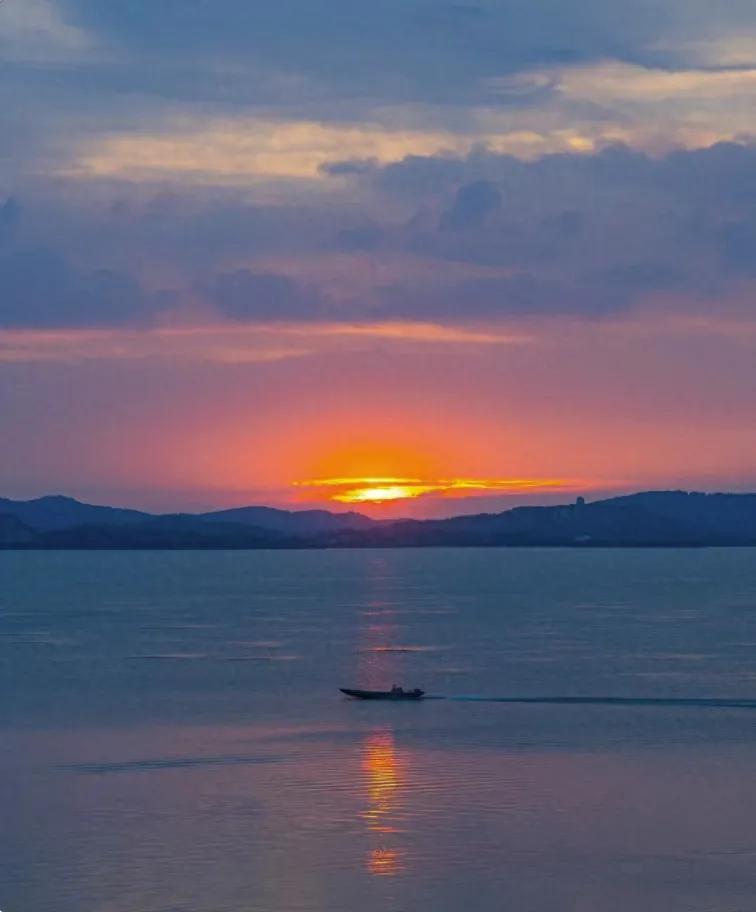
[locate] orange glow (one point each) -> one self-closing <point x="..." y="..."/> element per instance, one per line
<point x="377" y="490"/>
<point x="384" y="862"/>
<point x="379" y="494"/>
<point x="261" y="406"/>
<point x="384" y="780"/>
<point x="380" y="490"/>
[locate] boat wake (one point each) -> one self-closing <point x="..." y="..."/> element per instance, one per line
<point x="691" y="702"/>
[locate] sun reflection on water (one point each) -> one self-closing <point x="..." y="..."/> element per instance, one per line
<point x="384" y="778"/>
<point x="384" y="862"/>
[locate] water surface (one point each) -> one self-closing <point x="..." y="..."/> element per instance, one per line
<point x="173" y="739"/>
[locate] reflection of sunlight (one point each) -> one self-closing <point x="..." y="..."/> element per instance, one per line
<point x="384" y="778"/>
<point x="384" y="862"/>
<point x="382" y="768"/>
<point x="378" y="668"/>
<point x="382" y="774"/>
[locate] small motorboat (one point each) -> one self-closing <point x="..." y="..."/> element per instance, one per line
<point x="396" y="693"/>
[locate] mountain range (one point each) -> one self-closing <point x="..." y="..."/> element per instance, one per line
<point x="652" y="518"/>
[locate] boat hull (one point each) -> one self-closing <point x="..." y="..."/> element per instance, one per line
<point x="382" y="694"/>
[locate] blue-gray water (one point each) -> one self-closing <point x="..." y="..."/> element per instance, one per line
<point x="173" y="739"/>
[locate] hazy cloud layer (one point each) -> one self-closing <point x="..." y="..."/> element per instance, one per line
<point x="247" y="295"/>
<point x="451" y="238"/>
<point x="38" y="288"/>
<point x="398" y="48"/>
<point x="225" y="89"/>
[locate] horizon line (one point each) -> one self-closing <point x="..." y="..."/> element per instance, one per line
<point x="337" y="512"/>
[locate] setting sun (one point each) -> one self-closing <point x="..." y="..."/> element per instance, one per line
<point x="381" y="490"/>
<point x="377" y="495"/>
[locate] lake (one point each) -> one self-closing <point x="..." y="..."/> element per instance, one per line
<point x="173" y="739"/>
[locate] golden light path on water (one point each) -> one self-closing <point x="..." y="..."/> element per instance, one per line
<point x="383" y="770"/>
<point x="383" y="776"/>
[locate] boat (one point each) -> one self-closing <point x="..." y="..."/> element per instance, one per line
<point x="396" y="693"/>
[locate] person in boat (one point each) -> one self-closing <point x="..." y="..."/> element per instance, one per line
<point x="397" y="691"/>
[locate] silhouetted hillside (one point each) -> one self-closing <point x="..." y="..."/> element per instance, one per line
<point x="291" y="522"/>
<point x="652" y="518"/>
<point x="58" y="512"/>
<point x="166" y="532"/>
<point x="14" y="533"/>
<point x="661" y="519"/>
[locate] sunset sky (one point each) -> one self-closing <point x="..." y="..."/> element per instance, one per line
<point x="448" y="256"/>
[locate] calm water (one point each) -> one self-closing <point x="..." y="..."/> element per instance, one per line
<point x="173" y="739"/>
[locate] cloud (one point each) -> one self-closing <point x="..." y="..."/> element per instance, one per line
<point x="197" y="345"/>
<point x="451" y="238"/>
<point x="378" y="81"/>
<point x="247" y="295"/>
<point x="435" y="52"/>
<point x="726" y="50"/>
<point x="258" y="343"/>
<point x="614" y="81"/>
<point x="39" y="288"/>
<point x="560" y="109"/>
<point x="473" y="203"/>
<point x="384" y="489"/>
<point x="564" y="109"/>
<point x="524" y="295"/>
<point x="35" y="31"/>
<point x="584" y="234"/>
<point x="243" y="150"/>
<point x="584" y="107"/>
<point x="739" y="245"/>
<point x="228" y="92"/>
<point x="10" y="214"/>
<point x="422" y="332"/>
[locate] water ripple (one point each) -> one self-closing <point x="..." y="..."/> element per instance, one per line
<point x="164" y="763"/>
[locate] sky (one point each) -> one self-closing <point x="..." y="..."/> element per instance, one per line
<point x="449" y="256"/>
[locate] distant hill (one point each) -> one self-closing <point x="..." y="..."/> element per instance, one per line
<point x="58" y="512"/>
<point x="180" y="531"/>
<point x="649" y="519"/>
<point x="14" y="533"/>
<point x="663" y="518"/>
<point x="291" y="522"/>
